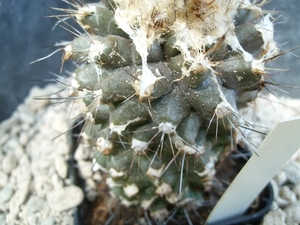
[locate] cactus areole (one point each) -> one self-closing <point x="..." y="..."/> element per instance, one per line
<point x="162" y="82"/>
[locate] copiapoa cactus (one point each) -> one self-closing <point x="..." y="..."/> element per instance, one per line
<point x="162" y="82"/>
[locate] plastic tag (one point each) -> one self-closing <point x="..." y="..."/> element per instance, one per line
<point x="276" y="149"/>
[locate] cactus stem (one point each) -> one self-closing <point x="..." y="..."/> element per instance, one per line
<point x="170" y="162"/>
<point x="160" y="80"/>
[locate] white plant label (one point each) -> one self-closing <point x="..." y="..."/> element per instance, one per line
<point x="277" y="148"/>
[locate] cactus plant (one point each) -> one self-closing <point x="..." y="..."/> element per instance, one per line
<point x="162" y="82"/>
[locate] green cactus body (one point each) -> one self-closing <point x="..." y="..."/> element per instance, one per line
<point x="164" y="79"/>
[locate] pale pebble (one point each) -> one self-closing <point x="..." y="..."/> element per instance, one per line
<point x="9" y="163"/>
<point x="91" y="195"/>
<point x="36" y="104"/>
<point x="68" y="182"/>
<point x="296" y="190"/>
<point x="12" y="121"/>
<point x="85" y="169"/>
<point x="280" y="178"/>
<point x="43" y="165"/>
<point x="13" y="145"/>
<point x="22" y="174"/>
<point x="23" y="107"/>
<point x="24" y="183"/>
<point x="67" y="220"/>
<point x="286" y="193"/>
<point x="2" y="218"/>
<point x="48" y="221"/>
<point x="82" y="153"/>
<point x="32" y="219"/>
<point x="97" y="176"/>
<point x="32" y="132"/>
<point x="42" y="185"/>
<point x="3" y="178"/>
<point x="4" y="207"/>
<point x="24" y="161"/>
<point x="51" y="171"/>
<point x="90" y="184"/>
<point x="65" y="198"/>
<point x="34" y="204"/>
<point x="19" y="152"/>
<point x="26" y="116"/>
<point x="63" y="147"/>
<point x="3" y="137"/>
<point x="12" y="215"/>
<point x="17" y="199"/>
<point x="24" y="138"/>
<point x="56" y="181"/>
<point x="1" y="157"/>
<point x="15" y="131"/>
<point x="274" y="206"/>
<point x="58" y="121"/>
<point x="25" y="127"/>
<point x="34" y="167"/>
<point x="292" y="170"/>
<point x="281" y="202"/>
<point x="292" y="212"/>
<point x="61" y="166"/>
<point x="12" y="182"/>
<point x="5" y="194"/>
<point x="96" y="167"/>
<point x="276" y="217"/>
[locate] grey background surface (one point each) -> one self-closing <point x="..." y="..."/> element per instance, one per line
<point x="287" y="36"/>
<point x="26" y="35"/>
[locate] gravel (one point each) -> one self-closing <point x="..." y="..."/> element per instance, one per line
<point x="35" y="187"/>
<point x="34" y="184"/>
